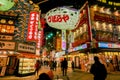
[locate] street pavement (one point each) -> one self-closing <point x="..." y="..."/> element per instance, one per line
<point x="76" y="75"/>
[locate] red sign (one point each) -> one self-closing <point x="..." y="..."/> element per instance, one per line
<point x="62" y="18"/>
<point x="40" y="38"/>
<point x="58" y="18"/>
<point x="33" y="26"/>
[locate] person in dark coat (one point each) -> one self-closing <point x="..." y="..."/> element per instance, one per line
<point x="64" y="66"/>
<point x="98" y="70"/>
<point x="44" y="76"/>
<point x="73" y="65"/>
<point x="54" y="65"/>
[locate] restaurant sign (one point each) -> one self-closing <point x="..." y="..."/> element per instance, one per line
<point x="62" y="18"/>
<point x="25" y="48"/>
<point x="33" y="26"/>
<point x="7" y="45"/>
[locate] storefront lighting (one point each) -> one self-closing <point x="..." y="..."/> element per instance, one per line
<point x="3" y="30"/>
<point x="95" y="7"/>
<point x="4" y="52"/>
<point x="107" y="10"/>
<point x="2" y="21"/>
<point x="11" y="52"/>
<point x="116" y="13"/>
<point x="102" y="10"/>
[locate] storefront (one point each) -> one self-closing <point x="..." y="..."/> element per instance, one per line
<point x="99" y="30"/>
<point x="26" y="59"/>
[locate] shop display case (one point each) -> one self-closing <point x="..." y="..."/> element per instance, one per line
<point x="26" y="66"/>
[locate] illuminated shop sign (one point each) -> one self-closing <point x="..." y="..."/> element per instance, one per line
<point x="59" y="54"/>
<point x="40" y="38"/>
<point x="63" y="40"/>
<point x="103" y="45"/>
<point x="6" y="37"/>
<point x="62" y="18"/>
<point x="7" y="45"/>
<point x="84" y="46"/>
<point x="9" y="29"/>
<point x="25" y="48"/>
<point x="113" y="3"/>
<point x="81" y="47"/>
<point x="108" y="45"/>
<point x="58" y="44"/>
<point x="33" y="26"/>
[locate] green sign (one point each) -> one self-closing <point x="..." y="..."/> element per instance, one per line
<point x="6" y="5"/>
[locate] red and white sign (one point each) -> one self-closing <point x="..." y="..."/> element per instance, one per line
<point x="40" y="38"/>
<point x="33" y="26"/>
<point x="62" y="18"/>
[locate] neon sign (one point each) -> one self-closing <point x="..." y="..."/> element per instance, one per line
<point x="58" y="18"/>
<point x="62" y="18"/>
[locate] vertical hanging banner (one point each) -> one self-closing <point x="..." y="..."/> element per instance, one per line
<point x="58" y="44"/>
<point x="40" y="38"/>
<point x="33" y="26"/>
<point x="63" y="39"/>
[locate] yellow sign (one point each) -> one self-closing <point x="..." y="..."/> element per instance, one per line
<point x="110" y="2"/>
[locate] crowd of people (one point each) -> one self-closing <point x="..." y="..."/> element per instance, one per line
<point x="97" y="69"/>
<point x="52" y="64"/>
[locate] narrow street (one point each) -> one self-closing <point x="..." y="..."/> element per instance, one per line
<point x="76" y="75"/>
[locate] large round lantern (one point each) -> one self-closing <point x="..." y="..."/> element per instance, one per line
<point x="62" y="18"/>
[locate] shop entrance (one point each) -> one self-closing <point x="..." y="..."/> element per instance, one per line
<point x="77" y="62"/>
<point x="11" y="65"/>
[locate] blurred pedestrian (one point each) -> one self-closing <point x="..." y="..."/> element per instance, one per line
<point x="44" y="76"/>
<point x="64" y="66"/>
<point x="98" y="70"/>
<point x="54" y="65"/>
<point x="37" y="67"/>
<point x="51" y="64"/>
<point x="73" y="65"/>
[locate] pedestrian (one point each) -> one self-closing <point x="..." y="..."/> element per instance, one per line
<point x="54" y="65"/>
<point x="37" y="67"/>
<point x="51" y="64"/>
<point x="98" y="70"/>
<point x="64" y="66"/>
<point x="44" y="76"/>
<point x="73" y="65"/>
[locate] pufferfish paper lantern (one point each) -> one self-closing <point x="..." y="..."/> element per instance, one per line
<point x="62" y="18"/>
<point x="6" y="4"/>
